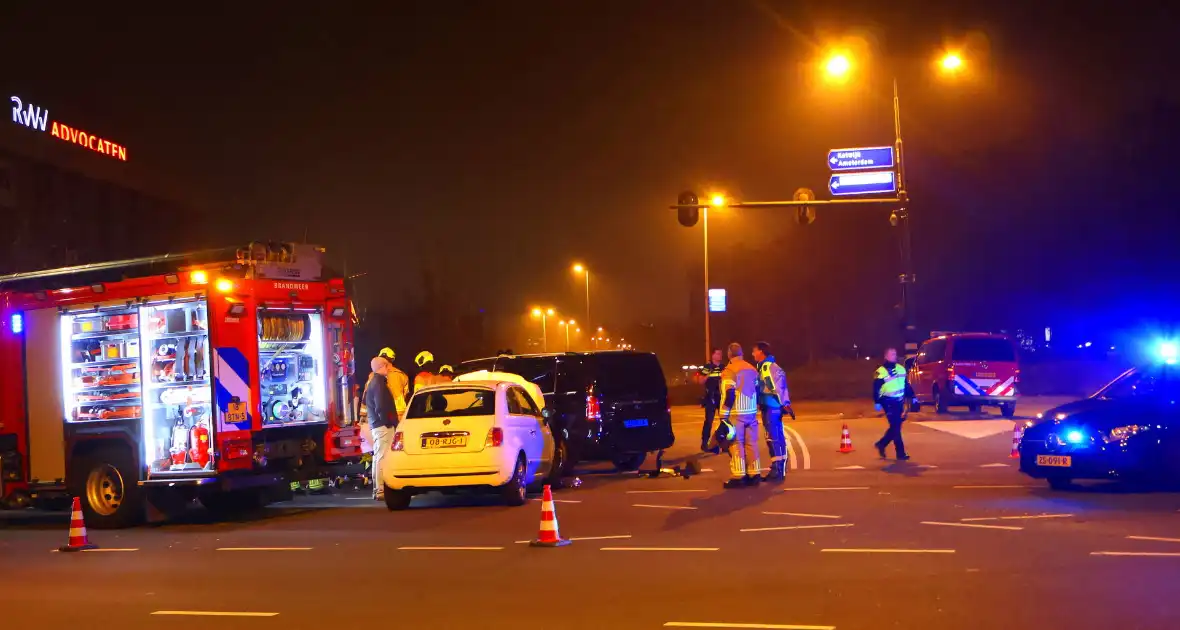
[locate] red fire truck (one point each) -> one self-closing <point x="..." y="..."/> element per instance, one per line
<point x="140" y="385"/>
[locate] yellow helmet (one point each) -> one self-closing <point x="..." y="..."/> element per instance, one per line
<point x="387" y="353"/>
<point x="423" y="358"/>
<point x="446" y="368"/>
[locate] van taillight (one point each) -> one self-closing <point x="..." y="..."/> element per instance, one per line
<point x="593" y="411"/>
<point x="1017" y="377"/>
<point x="399" y="442"/>
<point x="495" y="437"/>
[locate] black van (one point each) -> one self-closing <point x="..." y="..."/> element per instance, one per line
<point x="609" y="405"/>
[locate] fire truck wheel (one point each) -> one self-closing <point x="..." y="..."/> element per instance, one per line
<point x="106" y="482"/>
<point x="397" y="500"/>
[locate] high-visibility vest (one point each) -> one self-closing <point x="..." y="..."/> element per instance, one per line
<point x="894" y="385"/>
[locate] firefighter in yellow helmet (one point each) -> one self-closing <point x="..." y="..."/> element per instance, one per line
<point x="399" y="383"/>
<point x="446" y="374"/>
<point x="423" y="377"/>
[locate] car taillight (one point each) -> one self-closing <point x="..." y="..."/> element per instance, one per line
<point x="593" y="411"/>
<point x="495" y="437"/>
<point x="399" y="443"/>
<point x="1016" y="379"/>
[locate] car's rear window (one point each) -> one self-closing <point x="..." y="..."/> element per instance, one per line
<point x="983" y="349"/>
<point x="452" y="402"/>
<point x="630" y="375"/>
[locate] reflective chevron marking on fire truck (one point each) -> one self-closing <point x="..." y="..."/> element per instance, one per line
<point x="231" y="380"/>
<point x="984" y="386"/>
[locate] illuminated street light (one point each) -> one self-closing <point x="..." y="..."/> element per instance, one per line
<point x="567" y="325"/>
<point x="544" y="315"/>
<point x="838" y="66"/>
<point x="951" y="62"/>
<point x="718" y="201"/>
<point x="583" y="269"/>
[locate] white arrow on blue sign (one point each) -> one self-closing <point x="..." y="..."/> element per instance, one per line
<point x="864" y="157"/>
<point x="866" y="183"/>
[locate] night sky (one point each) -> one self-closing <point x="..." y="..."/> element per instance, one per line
<point x="519" y="136"/>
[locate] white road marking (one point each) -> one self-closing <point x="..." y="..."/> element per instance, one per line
<point x="1145" y="554"/>
<point x="887" y="550"/>
<point x="1176" y="540"/>
<point x="1011" y="527"/>
<point x="800" y="514"/>
<point x="666" y="507"/>
<point x="360" y="499"/>
<point x="853" y="467"/>
<point x="659" y="491"/>
<point x="263" y="549"/>
<point x="802" y="446"/>
<point x="704" y="470"/>
<point x="970" y="429"/>
<point x="776" y="529"/>
<point x="213" y="613"/>
<point x="997" y="465"/>
<point x="831" y="488"/>
<point x="771" y="626"/>
<point x="1014" y="518"/>
<point x="521" y="542"/>
<point x="984" y="487"/>
<point x="925" y="466"/>
<point x="660" y="549"/>
<point x="450" y="548"/>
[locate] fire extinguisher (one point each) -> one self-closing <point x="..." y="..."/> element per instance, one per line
<point x="200" y="442"/>
<point x="179" y="442"/>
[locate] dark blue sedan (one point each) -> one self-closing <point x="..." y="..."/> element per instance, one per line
<point x="1129" y="430"/>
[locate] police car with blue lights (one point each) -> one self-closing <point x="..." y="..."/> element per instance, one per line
<point x="1128" y="430"/>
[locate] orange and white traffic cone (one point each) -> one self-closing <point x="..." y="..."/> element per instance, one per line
<point x="1017" y="435"/>
<point x="78" y="539"/>
<point x="845" y="440"/>
<point x="548" y="536"/>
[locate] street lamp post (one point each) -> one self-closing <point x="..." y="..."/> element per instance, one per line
<point x="567" y="325"/>
<point x="544" y="315"/>
<point x="718" y="201"/>
<point x="582" y="269"/>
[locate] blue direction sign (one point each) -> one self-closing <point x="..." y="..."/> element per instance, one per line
<point x="856" y="159"/>
<point x="866" y="183"/>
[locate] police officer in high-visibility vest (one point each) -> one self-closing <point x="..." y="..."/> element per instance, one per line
<point x="773" y="400"/>
<point x="891" y="390"/>
<point x="710" y="373"/>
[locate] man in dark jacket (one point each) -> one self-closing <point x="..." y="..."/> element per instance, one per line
<point x="382" y="419"/>
<point x="891" y="390"/>
<point x="710" y="373"/>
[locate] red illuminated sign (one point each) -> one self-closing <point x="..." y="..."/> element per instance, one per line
<point x="36" y="118"/>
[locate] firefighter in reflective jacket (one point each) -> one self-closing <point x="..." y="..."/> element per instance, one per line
<point x="890" y="391"/>
<point x="773" y="400"/>
<point x="399" y="383"/>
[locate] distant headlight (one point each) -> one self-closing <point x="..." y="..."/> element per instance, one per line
<point x="1118" y="434"/>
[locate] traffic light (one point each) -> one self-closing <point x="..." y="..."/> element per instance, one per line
<point x="687" y="216"/>
<point x="804" y="215"/>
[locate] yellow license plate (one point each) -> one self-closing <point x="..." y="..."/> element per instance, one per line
<point x="1055" y="461"/>
<point x="454" y="441"/>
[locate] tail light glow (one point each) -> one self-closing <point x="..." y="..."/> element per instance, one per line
<point x="593" y="410"/>
<point x="495" y="437"/>
<point x="399" y="443"/>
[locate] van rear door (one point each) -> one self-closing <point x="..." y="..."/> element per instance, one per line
<point x="984" y="366"/>
<point x="633" y="398"/>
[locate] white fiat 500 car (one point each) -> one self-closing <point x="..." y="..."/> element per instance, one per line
<point x="481" y="434"/>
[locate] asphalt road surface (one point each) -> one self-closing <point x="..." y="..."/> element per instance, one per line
<point x="956" y="539"/>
